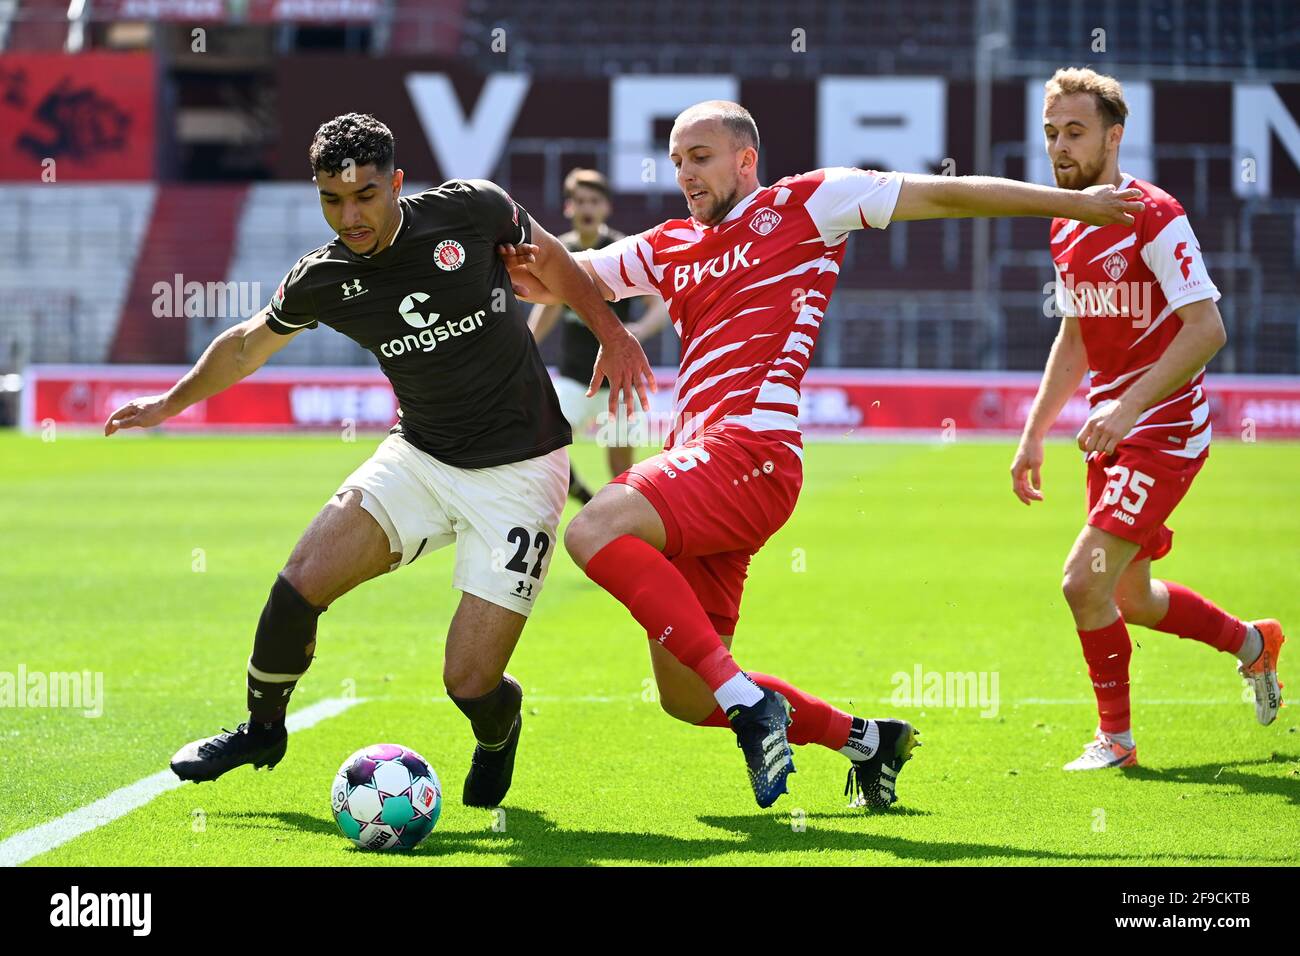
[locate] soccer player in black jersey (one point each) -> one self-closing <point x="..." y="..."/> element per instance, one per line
<point x="477" y="458"/>
<point x="587" y="207"/>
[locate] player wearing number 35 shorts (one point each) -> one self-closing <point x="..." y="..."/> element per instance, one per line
<point x="1138" y="312"/>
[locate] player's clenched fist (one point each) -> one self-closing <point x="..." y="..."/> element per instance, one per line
<point x="139" y="413"/>
<point x="1108" y="205"/>
<point x="1026" y="472"/>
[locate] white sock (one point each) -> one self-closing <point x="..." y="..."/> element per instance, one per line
<point x="1125" y="739"/>
<point x="738" y="690"/>
<point x="864" y="740"/>
<point x="1251" y="647"/>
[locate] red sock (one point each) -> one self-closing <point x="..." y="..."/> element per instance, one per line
<point x="813" y="721"/>
<point x="1107" y="651"/>
<point x="1193" y="617"/>
<point x="663" y="603"/>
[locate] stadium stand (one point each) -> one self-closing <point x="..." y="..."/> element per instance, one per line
<point x="7" y="10"/>
<point x="66" y="259"/>
<point x="422" y="27"/>
<point x="1190" y="35"/>
<point x="744" y="37"/>
<point x="905" y="296"/>
<point x="168" y="251"/>
<point x="37" y="25"/>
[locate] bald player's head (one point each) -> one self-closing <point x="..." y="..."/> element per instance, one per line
<point x="731" y="116"/>
<point x="714" y="148"/>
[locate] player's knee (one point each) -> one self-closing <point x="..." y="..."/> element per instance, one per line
<point x="584" y="536"/>
<point x="1082" y="589"/>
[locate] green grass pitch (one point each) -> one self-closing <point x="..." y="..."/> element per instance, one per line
<point x="898" y="556"/>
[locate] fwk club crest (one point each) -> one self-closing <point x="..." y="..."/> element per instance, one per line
<point x="764" y="221"/>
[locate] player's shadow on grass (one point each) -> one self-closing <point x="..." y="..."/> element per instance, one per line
<point x="1222" y="773"/>
<point x="282" y="820"/>
<point x="903" y="849"/>
<point x="531" y="839"/>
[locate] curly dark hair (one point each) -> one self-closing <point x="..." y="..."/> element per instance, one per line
<point x="355" y="136"/>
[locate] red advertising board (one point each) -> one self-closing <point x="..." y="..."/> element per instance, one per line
<point x="85" y="395"/>
<point x="84" y="117"/>
<point x="847" y="404"/>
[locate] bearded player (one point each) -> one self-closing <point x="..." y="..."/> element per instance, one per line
<point x="747" y="279"/>
<point x="1139" y="315"/>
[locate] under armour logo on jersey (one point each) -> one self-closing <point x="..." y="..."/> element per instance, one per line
<point x="353" y="289"/>
<point x="524" y="589"/>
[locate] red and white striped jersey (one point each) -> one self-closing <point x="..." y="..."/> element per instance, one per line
<point x="748" y="295"/>
<point x="1124" y="283"/>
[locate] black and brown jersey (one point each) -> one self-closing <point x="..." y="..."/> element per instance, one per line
<point x="437" y="311"/>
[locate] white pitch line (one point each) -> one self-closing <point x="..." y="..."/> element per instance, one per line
<point x="21" y="847"/>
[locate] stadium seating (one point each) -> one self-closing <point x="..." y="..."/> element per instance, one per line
<point x="37" y="25"/>
<point x="418" y="26"/>
<point x="66" y="257"/>
<point x="745" y="37"/>
<point x="7" y="10"/>
<point x="1183" y="34"/>
<point x="86" y="278"/>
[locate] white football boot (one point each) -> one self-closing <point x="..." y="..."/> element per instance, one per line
<point x="1103" y="752"/>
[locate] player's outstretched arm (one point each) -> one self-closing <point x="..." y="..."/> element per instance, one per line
<point x="1200" y="338"/>
<point x="621" y="359"/>
<point x="1065" y="368"/>
<point x="236" y="353"/>
<point x="961" y="197"/>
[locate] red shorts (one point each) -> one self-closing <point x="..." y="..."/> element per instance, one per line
<point x="1132" y="492"/>
<point x="720" y="495"/>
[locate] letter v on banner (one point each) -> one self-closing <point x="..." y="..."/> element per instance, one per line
<point x="467" y="148"/>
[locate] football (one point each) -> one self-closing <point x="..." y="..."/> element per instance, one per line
<point x="386" y="797"/>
